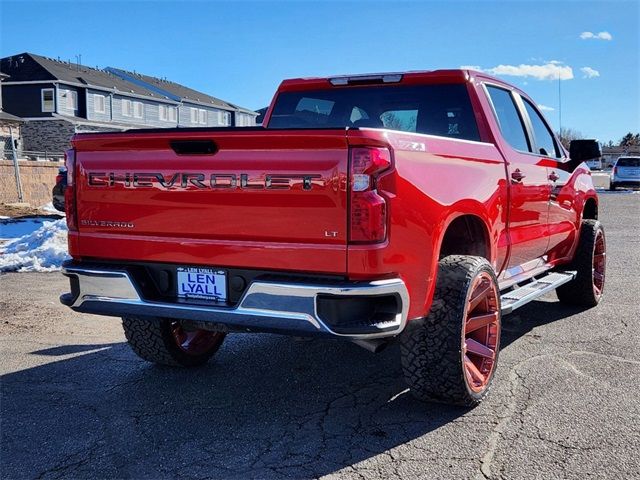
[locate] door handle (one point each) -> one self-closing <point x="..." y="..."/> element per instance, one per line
<point x="554" y="177"/>
<point x="517" y="175"/>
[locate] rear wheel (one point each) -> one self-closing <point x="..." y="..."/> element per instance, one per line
<point x="168" y="342"/>
<point x="590" y="262"/>
<point x="612" y="186"/>
<point x="451" y="355"/>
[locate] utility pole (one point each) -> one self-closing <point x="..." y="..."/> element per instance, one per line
<point x="16" y="166"/>
<point x="559" y="104"/>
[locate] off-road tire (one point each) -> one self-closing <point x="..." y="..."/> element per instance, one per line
<point x="580" y="291"/>
<point x="431" y="348"/>
<point x="152" y="340"/>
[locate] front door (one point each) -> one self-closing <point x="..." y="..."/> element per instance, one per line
<point x="563" y="214"/>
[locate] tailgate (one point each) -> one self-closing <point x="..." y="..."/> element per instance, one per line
<point x="228" y="197"/>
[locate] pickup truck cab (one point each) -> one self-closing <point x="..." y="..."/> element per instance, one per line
<point x="418" y="207"/>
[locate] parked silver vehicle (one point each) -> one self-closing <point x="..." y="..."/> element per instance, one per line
<point x="625" y="173"/>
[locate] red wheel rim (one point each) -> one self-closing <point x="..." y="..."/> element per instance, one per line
<point x="599" y="264"/>
<point x="481" y="332"/>
<point x="194" y="342"/>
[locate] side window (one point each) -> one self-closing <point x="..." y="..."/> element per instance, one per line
<point x="509" y="119"/>
<point x="545" y="144"/>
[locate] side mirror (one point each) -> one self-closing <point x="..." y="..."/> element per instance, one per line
<point x="583" y="150"/>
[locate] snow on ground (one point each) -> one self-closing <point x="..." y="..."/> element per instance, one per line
<point x="41" y="250"/>
<point x="49" y="208"/>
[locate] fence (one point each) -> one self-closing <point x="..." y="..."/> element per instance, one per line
<point x="37" y="179"/>
<point x="34" y="155"/>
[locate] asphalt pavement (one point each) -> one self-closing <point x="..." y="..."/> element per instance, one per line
<point x="77" y="403"/>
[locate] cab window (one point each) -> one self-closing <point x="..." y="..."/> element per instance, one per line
<point x="545" y="143"/>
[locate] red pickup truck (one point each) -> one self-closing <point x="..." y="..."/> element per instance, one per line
<point x="417" y="206"/>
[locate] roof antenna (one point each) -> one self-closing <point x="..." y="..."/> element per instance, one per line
<point x="78" y="60"/>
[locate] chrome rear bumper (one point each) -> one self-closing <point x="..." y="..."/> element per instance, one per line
<point x="267" y="306"/>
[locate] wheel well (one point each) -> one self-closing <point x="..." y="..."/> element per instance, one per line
<point x="590" y="211"/>
<point x="466" y="235"/>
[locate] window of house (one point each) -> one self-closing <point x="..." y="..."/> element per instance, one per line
<point x="173" y="114"/>
<point x="243" y="120"/>
<point x="48" y="103"/>
<point x="126" y="108"/>
<point x="162" y="112"/>
<point x="202" y="116"/>
<point x="71" y="99"/>
<point x="138" y="109"/>
<point x="545" y="144"/>
<point x="99" y="103"/>
<point x="194" y="115"/>
<point x="511" y="124"/>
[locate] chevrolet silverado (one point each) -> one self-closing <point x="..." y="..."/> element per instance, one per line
<point x="418" y="207"/>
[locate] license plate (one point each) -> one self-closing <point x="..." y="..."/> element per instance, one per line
<point x="202" y="283"/>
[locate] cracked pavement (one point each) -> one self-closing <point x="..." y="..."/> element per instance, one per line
<point x="77" y="403"/>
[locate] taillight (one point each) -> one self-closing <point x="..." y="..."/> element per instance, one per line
<point x="70" y="190"/>
<point x="368" y="222"/>
<point x="615" y="170"/>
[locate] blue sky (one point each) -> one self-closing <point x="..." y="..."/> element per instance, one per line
<point x="240" y="51"/>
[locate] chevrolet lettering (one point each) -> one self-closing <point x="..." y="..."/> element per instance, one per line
<point x="185" y="180"/>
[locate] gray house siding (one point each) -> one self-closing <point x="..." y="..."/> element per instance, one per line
<point x="92" y="114"/>
<point x="150" y="113"/>
<point x="64" y="101"/>
<point x="212" y="120"/>
<point x="245" y="120"/>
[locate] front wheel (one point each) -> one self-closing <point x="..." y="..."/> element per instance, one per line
<point x="451" y="355"/>
<point x="589" y="262"/>
<point x="168" y="342"/>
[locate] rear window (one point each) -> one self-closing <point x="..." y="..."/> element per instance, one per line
<point x="443" y="110"/>
<point x="628" y="162"/>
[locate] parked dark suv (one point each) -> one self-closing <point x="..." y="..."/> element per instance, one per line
<point x="58" y="189"/>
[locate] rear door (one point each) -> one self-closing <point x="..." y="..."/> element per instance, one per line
<point x="265" y="199"/>
<point x="528" y="179"/>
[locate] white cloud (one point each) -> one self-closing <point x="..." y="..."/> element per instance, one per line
<point x="552" y="70"/>
<point x="471" y="67"/>
<point x="596" y="36"/>
<point x="544" y="108"/>
<point x="588" y="72"/>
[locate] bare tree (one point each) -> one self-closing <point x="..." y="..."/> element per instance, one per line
<point x="565" y="135"/>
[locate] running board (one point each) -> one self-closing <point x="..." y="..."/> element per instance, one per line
<point x="519" y="296"/>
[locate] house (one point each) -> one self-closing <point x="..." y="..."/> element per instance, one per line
<point x="58" y="98"/>
<point x="611" y="154"/>
<point x="195" y="108"/>
<point x="10" y="126"/>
